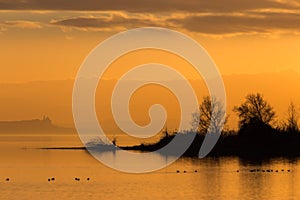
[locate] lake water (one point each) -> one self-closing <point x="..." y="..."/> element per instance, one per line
<point x="29" y="168"/>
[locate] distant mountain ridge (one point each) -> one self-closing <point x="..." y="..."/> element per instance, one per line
<point x="54" y="97"/>
<point x="32" y="126"/>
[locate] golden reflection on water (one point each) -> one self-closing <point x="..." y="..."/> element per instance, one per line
<point x="29" y="169"/>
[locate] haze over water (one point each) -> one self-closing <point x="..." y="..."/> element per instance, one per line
<point x="29" y="168"/>
<point x="254" y="44"/>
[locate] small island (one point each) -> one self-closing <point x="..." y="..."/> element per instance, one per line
<point x="257" y="137"/>
<point x="33" y="126"/>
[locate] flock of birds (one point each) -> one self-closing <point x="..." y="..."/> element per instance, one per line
<point x="251" y="170"/>
<point x="53" y="179"/>
<point x="195" y="171"/>
<point x="186" y="171"/>
<point x="267" y="170"/>
<point x="76" y="179"/>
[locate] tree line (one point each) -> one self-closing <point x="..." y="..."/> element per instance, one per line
<point x="254" y="111"/>
<point x="258" y="136"/>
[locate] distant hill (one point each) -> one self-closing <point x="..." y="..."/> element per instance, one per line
<point x="32" y="126"/>
<point x="54" y="98"/>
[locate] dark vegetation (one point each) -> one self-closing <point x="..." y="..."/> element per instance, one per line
<point x="257" y="137"/>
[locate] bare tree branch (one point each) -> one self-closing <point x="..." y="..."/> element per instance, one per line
<point x="254" y="110"/>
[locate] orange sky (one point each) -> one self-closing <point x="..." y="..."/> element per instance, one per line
<point x="45" y="40"/>
<point x="51" y="44"/>
<point x="28" y="55"/>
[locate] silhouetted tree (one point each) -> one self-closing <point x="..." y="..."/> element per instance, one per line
<point x="255" y="110"/>
<point x="211" y="111"/>
<point x="291" y="125"/>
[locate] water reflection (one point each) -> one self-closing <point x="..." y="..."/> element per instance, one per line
<point x="216" y="178"/>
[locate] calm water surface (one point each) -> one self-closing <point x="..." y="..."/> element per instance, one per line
<point x="29" y="169"/>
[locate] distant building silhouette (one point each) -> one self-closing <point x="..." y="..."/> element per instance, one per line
<point x="32" y="126"/>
